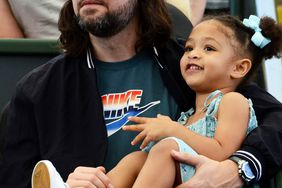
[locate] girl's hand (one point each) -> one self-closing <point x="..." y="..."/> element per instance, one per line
<point x="151" y="129"/>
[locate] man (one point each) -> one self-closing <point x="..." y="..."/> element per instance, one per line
<point x="57" y="112"/>
<point x="120" y="59"/>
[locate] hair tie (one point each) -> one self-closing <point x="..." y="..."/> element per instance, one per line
<point x="258" y="39"/>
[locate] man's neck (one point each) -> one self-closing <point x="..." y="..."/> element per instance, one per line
<point x="119" y="47"/>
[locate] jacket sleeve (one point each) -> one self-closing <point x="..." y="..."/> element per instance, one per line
<point x="20" y="149"/>
<point x="263" y="146"/>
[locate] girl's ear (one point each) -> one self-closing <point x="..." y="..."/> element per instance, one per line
<point x="241" y="68"/>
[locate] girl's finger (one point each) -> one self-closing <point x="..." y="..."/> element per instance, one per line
<point x="145" y="142"/>
<point x="163" y="117"/>
<point x="138" y="119"/>
<point x="138" y="138"/>
<point x="138" y="128"/>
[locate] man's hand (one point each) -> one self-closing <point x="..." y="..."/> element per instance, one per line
<point x="209" y="173"/>
<point x="86" y="177"/>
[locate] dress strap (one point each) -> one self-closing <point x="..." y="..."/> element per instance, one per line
<point x="209" y="107"/>
<point x="184" y="116"/>
<point x="212" y="95"/>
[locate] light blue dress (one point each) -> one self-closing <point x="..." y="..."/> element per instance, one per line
<point x="205" y="126"/>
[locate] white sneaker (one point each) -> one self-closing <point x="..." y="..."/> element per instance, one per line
<point x="45" y="175"/>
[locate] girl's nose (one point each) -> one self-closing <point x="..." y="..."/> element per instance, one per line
<point x="193" y="55"/>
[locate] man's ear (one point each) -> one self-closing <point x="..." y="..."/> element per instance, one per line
<point x="241" y="68"/>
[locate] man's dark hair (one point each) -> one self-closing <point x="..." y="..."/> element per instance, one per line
<point x="155" y="27"/>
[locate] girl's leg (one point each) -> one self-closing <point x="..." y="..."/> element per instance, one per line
<point x="124" y="174"/>
<point x="159" y="170"/>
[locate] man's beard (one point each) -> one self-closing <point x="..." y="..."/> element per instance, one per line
<point x="110" y="23"/>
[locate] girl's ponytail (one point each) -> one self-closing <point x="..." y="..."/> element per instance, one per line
<point x="273" y="31"/>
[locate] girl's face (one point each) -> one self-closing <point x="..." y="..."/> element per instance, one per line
<point x="209" y="57"/>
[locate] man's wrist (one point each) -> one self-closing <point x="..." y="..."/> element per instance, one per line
<point x="254" y="161"/>
<point x="233" y="172"/>
<point x="244" y="170"/>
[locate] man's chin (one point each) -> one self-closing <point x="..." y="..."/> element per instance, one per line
<point x="90" y="13"/>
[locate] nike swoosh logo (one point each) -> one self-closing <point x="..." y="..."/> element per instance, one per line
<point x="116" y="125"/>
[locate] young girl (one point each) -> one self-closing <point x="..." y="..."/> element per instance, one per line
<point x="222" y="54"/>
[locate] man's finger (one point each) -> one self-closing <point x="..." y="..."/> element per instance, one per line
<point x="85" y="176"/>
<point x="102" y="168"/>
<point x="187" y="158"/>
<point x="90" y="170"/>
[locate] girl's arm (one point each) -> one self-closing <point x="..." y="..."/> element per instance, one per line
<point x="233" y="118"/>
<point x="9" y="27"/>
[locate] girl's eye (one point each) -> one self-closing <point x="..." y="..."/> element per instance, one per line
<point x="188" y="49"/>
<point x="208" y="48"/>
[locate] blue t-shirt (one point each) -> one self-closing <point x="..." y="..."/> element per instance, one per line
<point x="131" y="88"/>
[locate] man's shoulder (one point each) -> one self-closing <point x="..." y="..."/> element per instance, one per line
<point x="182" y="26"/>
<point x="258" y="94"/>
<point x="263" y="102"/>
<point x="44" y="69"/>
<point x="49" y="74"/>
